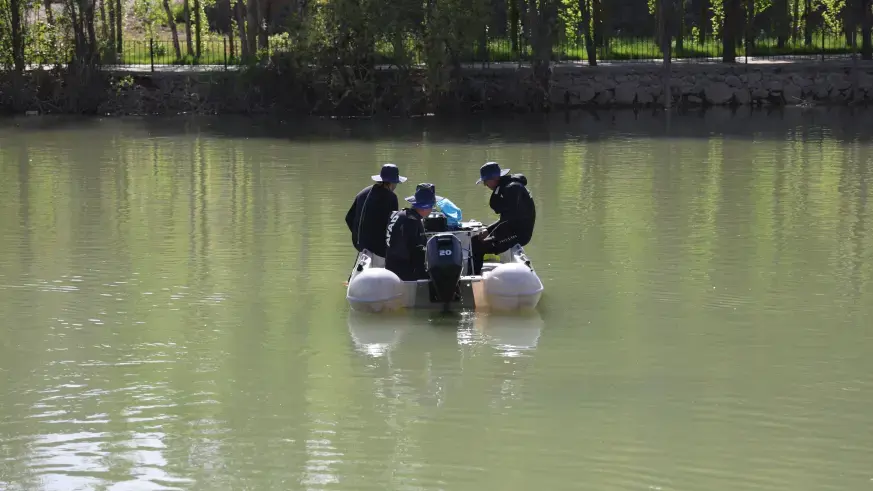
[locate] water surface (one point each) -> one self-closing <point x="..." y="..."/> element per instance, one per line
<point x="174" y="313"/>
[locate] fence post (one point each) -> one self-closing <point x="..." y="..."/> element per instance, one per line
<point x="225" y="53"/>
<point x="823" y="31"/>
<point x="152" y="52"/>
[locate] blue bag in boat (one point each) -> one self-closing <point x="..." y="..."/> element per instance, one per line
<point x="452" y="212"/>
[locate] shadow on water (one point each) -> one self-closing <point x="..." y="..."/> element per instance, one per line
<point x="774" y="123"/>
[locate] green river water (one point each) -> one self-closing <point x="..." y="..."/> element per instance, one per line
<point x="174" y="315"/>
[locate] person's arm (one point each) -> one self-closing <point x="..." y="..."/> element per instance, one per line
<point x="513" y="205"/>
<point x="490" y="228"/>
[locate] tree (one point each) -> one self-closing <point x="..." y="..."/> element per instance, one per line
<point x="174" y="31"/>
<point x="543" y="15"/>
<point x="15" y="11"/>
<point x="189" y="41"/>
<point x="733" y="22"/>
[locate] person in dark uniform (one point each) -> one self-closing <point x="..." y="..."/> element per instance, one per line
<point x="370" y="210"/>
<point x="404" y="237"/>
<point x="511" y="200"/>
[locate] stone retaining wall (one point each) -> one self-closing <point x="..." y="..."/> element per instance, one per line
<point x="504" y="87"/>
<point x="714" y="84"/>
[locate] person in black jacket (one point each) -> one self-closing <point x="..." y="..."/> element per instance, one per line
<point x="404" y="236"/>
<point x="370" y="210"/>
<point x="511" y="200"/>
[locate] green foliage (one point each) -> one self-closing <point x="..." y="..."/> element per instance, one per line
<point x="439" y="33"/>
<point x="717" y="17"/>
<point x="152" y="14"/>
<point x="832" y="11"/>
<point x="570" y="16"/>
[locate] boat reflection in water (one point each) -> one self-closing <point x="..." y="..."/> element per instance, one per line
<point x="511" y="334"/>
<point x="376" y="335"/>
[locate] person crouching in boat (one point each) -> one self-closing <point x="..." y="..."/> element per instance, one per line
<point x="511" y="200"/>
<point x="404" y="237"/>
<point x="371" y="209"/>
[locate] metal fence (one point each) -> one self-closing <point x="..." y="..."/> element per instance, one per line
<point x="223" y="53"/>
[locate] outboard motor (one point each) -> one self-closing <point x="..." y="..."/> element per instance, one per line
<point x="444" y="265"/>
<point x="436" y="222"/>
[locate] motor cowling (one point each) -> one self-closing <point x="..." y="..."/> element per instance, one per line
<point x="444" y="265"/>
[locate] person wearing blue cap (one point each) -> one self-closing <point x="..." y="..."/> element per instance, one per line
<point x="405" y="241"/>
<point x="371" y="209"/>
<point x="511" y="200"/>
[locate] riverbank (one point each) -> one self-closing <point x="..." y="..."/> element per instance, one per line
<point x="494" y="88"/>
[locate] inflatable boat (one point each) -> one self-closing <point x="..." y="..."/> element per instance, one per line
<point x="508" y="283"/>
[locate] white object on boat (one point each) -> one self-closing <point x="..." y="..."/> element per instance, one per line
<point x="512" y="286"/>
<point x="375" y="290"/>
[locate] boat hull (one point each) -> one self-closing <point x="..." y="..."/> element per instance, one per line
<point x="508" y="285"/>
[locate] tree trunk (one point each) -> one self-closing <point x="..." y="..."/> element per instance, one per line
<point x="230" y="16"/>
<point x="77" y="30"/>
<point x="782" y="21"/>
<point x="666" y="49"/>
<point x="795" y="23"/>
<point x="498" y="20"/>
<point x="104" y="26"/>
<point x="92" y="34"/>
<point x="119" y="19"/>
<point x="680" y="29"/>
<point x="732" y="20"/>
<point x="597" y="22"/>
<point x="263" y="16"/>
<point x="807" y="26"/>
<point x="252" y="27"/>
<point x="524" y="39"/>
<point x="17" y="35"/>
<point x="542" y="18"/>
<point x="112" y="37"/>
<point x="866" y="38"/>
<point x="189" y="37"/>
<point x="49" y="14"/>
<point x="245" y="47"/>
<point x="585" y="28"/>
<point x="173" y="29"/>
<point x="198" y="27"/>
<point x="231" y="45"/>
<point x="750" y="25"/>
<point x="513" y="25"/>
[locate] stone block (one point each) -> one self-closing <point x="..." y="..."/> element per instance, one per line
<point x="718" y="93"/>
<point x="742" y="96"/>
<point x="792" y="93"/>
<point x="626" y="93"/>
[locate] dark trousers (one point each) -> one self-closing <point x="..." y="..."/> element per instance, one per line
<point x="500" y="240"/>
<point x="406" y="270"/>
